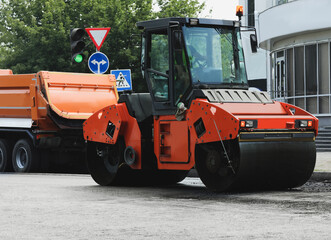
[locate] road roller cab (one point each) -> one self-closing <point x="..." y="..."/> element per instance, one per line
<point x="199" y="113"/>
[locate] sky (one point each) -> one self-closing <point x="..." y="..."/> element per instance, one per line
<point x="221" y="9"/>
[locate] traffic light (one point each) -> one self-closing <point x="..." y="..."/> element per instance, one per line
<point x="77" y="44"/>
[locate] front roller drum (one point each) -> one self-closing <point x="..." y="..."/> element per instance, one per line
<point x="255" y="165"/>
<point x="276" y="165"/>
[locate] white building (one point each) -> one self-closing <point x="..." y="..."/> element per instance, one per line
<point x="256" y="63"/>
<point x="296" y="34"/>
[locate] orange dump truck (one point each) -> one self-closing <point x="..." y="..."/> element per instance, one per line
<point x="43" y="113"/>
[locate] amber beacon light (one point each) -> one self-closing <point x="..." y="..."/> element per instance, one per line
<point x="239" y="11"/>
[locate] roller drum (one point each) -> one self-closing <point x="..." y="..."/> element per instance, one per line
<point x="275" y="165"/>
<point x="255" y="165"/>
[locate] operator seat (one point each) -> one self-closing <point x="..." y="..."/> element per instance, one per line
<point x="139" y="105"/>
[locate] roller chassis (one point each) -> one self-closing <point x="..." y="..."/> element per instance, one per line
<point x="226" y="156"/>
<point x="236" y="139"/>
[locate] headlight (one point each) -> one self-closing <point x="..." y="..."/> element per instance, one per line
<point x="303" y="123"/>
<point x="248" y="123"/>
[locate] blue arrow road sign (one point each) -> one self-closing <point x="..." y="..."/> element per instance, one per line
<point x="98" y="63"/>
<point x="123" y="79"/>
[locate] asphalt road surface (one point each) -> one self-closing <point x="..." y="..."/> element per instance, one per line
<point x="55" y="206"/>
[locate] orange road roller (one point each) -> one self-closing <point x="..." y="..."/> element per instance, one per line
<point x="199" y="113"/>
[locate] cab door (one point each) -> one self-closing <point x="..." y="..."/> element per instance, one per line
<point x="166" y="69"/>
<point x="167" y="74"/>
<point x="157" y="70"/>
<point x="171" y="143"/>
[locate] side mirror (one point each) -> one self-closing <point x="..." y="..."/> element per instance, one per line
<point x="253" y="43"/>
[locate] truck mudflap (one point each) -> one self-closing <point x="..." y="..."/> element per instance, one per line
<point x="264" y="161"/>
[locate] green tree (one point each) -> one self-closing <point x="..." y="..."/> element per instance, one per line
<point x="34" y="34"/>
<point x="179" y="8"/>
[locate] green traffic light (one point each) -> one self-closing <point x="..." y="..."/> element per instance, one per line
<point x="78" y="58"/>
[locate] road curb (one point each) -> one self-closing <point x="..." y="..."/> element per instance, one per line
<point x="316" y="176"/>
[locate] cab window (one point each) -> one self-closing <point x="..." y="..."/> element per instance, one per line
<point x="158" y="66"/>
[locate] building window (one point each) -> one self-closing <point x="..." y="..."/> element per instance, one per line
<point x="281" y="2"/>
<point x="311" y="77"/>
<point x="301" y="76"/>
<point x="290" y="75"/>
<point x="323" y="78"/>
<point x="251" y="9"/>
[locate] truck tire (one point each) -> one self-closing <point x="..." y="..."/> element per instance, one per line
<point x="25" y="158"/>
<point x="4" y="158"/>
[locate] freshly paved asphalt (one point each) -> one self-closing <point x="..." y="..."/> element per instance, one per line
<point x="322" y="170"/>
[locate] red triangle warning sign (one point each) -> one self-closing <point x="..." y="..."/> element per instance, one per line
<point x="98" y="35"/>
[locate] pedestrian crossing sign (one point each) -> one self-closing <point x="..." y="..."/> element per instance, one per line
<point x="123" y="79"/>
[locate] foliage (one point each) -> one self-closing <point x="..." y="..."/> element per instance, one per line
<point x="34" y="34"/>
<point x="179" y="8"/>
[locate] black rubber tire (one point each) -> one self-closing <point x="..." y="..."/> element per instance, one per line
<point x="25" y="157"/>
<point x="4" y="157"/>
<point x="103" y="162"/>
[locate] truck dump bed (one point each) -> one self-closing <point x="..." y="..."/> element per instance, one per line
<point x="42" y="99"/>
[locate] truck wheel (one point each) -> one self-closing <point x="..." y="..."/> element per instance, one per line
<point x="103" y="162"/>
<point x="4" y="164"/>
<point x="24" y="157"/>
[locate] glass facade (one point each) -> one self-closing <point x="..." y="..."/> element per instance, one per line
<point x="251" y="9"/>
<point x="301" y="76"/>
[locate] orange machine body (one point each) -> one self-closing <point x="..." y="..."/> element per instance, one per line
<point x="222" y="120"/>
<point x="108" y="124"/>
<point x="175" y="141"/>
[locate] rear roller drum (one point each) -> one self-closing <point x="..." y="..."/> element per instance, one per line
<point x="103" y="161"/>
